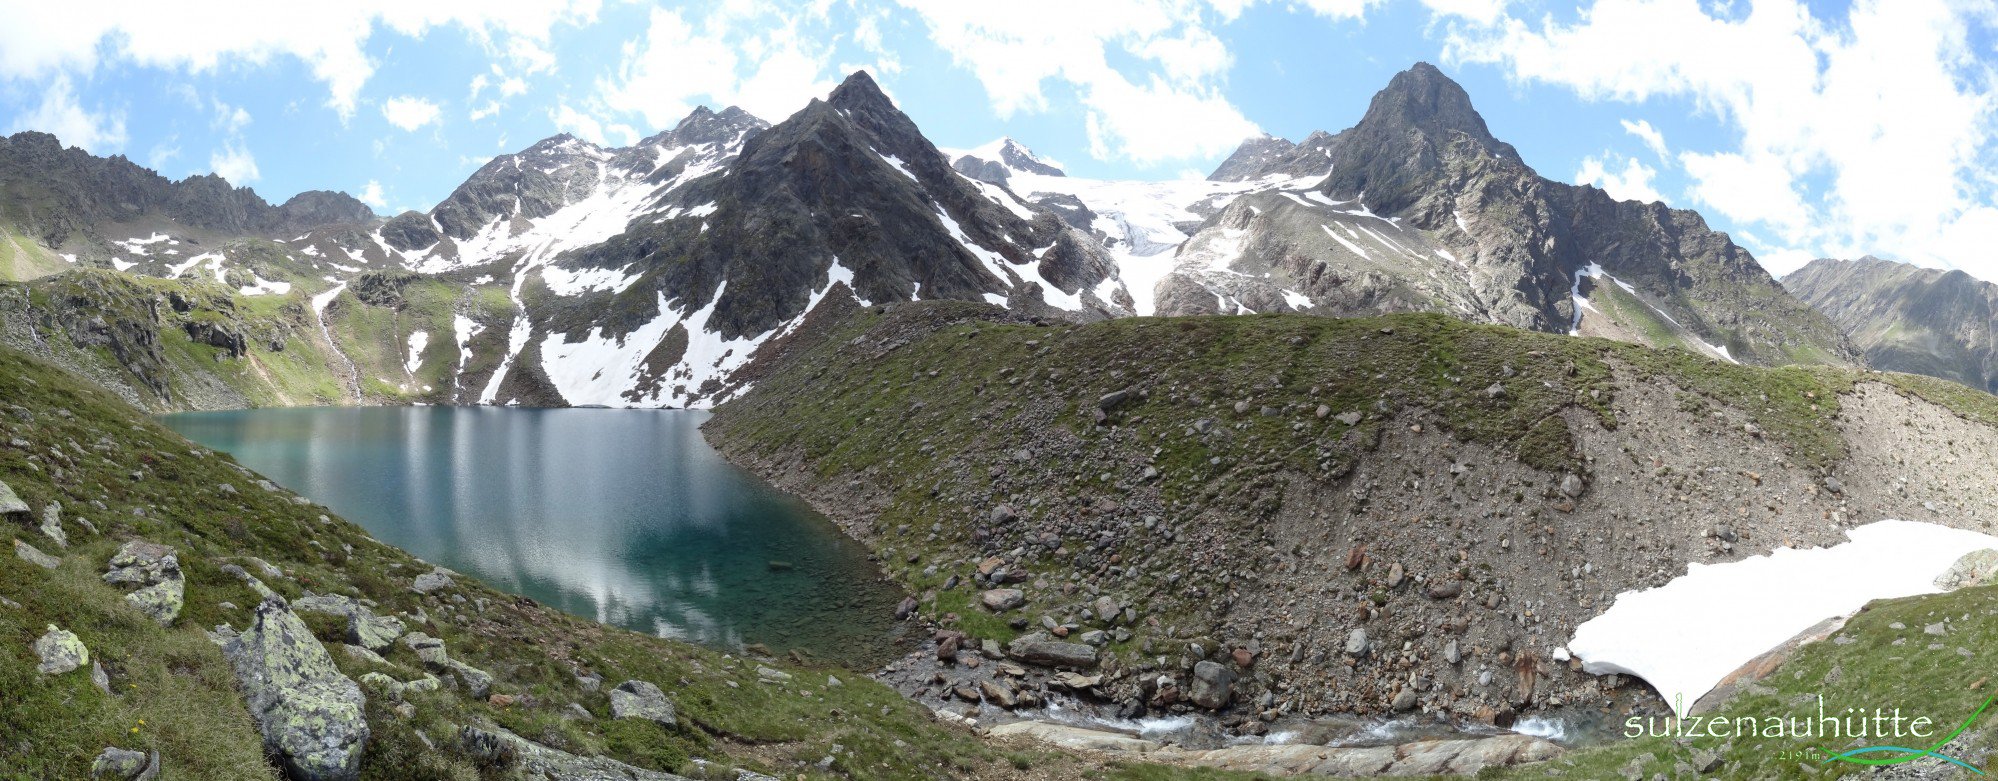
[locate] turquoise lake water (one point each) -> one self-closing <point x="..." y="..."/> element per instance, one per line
<point x="623" y="516"/>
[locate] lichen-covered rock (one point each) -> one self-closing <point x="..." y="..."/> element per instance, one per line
<point x="52" y="525"/>
<point x="477" y="682"/>
<point x="126" y="765"/>
<point x="642" y="700"/>
<point x="155" y="569"/>
<point x="1213" y="684"/>
<point x="311" y="716"/>
<point x="371" y="631"/>
<point x="429" y="650"/>
<point x="60" y="651"/>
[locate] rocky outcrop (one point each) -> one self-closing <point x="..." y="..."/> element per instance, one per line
<point x="311" y="716"/>
<point x="1422" y="758"/>
<point x="154" y="570"/>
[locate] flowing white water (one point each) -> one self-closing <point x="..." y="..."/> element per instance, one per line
<point x="319" y="304"/>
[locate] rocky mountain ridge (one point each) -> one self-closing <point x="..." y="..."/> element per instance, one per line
<point x="1906" y="318"/>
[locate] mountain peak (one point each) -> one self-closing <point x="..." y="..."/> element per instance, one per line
<point x="1425" y="99"/>
<point x="858" y="91"/>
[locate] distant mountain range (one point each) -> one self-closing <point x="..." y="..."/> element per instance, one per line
<point x="649" y="275"/>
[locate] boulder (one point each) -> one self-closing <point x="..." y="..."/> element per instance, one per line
<point x="11" y="504"/>
<point x="642" y="700"/>
<point x="33" y="555"/>
<point x="312" y="717"/>
<point x="155" y="569"/>
<point x="1038" y="648"/>
<point x="52" y="525"/>
<point x="477" y="682"/>
<point x="1974" y="568"/>
<point x="125" y="765"/>
<point x="1000" y="600"/>
<point x="429" y="650"/>
<point x="60" y="651"/>
<point x="371" y="631"/>
<point x="433" y="580"/>
<point x="1213" y="684"/>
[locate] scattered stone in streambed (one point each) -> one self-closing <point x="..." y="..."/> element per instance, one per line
<point x="1038" y="648"/>
<point x="310" y="715"/>
<point x="1213" y="684"/>
<point x="642" y="700"/>
<point x="60" y="651"/>
<point x="1000" y="600"/>
<point x="155" y="570"/>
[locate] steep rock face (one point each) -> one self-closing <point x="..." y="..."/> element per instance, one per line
<point x="1424" y="209"/>
<point x="1906" y="318"/>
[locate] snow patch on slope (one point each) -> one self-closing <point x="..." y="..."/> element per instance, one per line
<point x="1686" y="636"/>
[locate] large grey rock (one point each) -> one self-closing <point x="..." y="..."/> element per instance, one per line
<point x="1974" y="568"/>
<point x="371" y="631"/>
<point x="642" y="700"/>
<point x="433" y="580"/>
<point x="312" y="717"/>
<point x="60" y="651"/>
<point x="1213" y="684"/>
<point x="35" y="556"/>
<point x="155" y="569"/>
<point x="1000" y="600"/>
<point x="125" y="765"/>
<point x="475" y="681"/>
<point x="10" y="503"/>
<point x="429" y="650"/>
<point x="1038" y="648"/>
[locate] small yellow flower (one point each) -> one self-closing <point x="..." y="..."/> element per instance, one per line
<point x="135" y="730"/>
<point x="142" y="722"/>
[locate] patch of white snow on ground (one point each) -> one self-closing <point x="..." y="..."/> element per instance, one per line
<point x="1296" y="300"/>
<point x="417" y="341"/>
<point x="69" y="258"/>
<point x="121" y="265"/>
<point x="1684" y="637"/>
<point x="1347" y="244"/>
<point x="264" y="287"/>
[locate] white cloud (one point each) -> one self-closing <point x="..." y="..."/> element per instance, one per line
<point x="1867" y="133"/>
<point x="76" y="36"/>
<point x="372" y="195"/>
<point x="100" y="132"/>
<point x="162" y="153"/>
<point x="479" y="84"/>
<point x="743" y="55"/>
<point x="409" y="113"/>
<point x="1653" y="140"/>
<point x="1480" y="11"/>
<point x="234" y="163"/>
<point x="576" y="123"/>
<point x="1171" y="109"/>
<point x="1633" y="183"/>
<point x="512" y="86"/>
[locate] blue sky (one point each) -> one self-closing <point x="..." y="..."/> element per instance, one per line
<point x="1803" y="128"/>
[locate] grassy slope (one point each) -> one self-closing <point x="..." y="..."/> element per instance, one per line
<point x="176" y="683"/>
